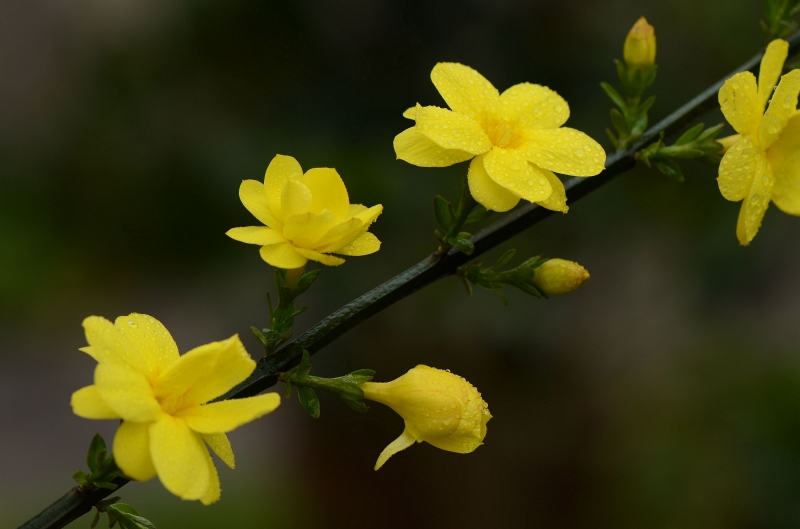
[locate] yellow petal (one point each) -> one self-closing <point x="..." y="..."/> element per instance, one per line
<point x="227" y="415"/>
<point x="566" y="151"/>
<point x="737" y="168"/>
<point x="279" y="170"/>
<point x="365" y="244"/>
<point x="221" y="446"/>
<point x="109" y="345"/>
<point x="417" y="149"/>
<point x="180" y="457"/>
<point x="254" y="198"/>
<point x="369" y="215"/>
<point x="325" y="259"/>
<point x="126" y="391"/>
<point x="451" y="130"/>
<point x="87" y="403"/>
<point x="192" y="367"/>
<point x="340" y="235"/>
<point x="755" y="205"/>
<point x="282" y="255"/>
<point x="213" y="491"/>
<point x="132" y="450"/>
<point x="534" y="107"/>
<point x="307" y="230"/>
<point x="740" y="104"/>
<point x="771" y="68"/>
<point x="355" y="209"/>
<point x="153" y="343"/>
<point x="513" y="172"/>
<point x="781" y="108"/>
<point x="401" y="443"/>
<point x="410" y="113"/>
<point x="327" y="191"/>
<point x="486" y="191"/>
<point x="233" y="366"/>
<point x="463" y="89"/>
<point x="260" y="235"/>
<point x="296" y="199"/>
<point x="557" y="201"/>
<point x="784" y="157"/>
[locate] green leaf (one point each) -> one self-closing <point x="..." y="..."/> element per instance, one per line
<point x="443" y="211"/>
<point x="465" y="245"/>
<point x="619" y="122"/>
<point x="105" y="485"/>
<point x="305" y="364"/>
<point x="478" y="214"/>
<point x="669" y="168"/>
<point x="81" y="478"/>
<point x="612" y="138"/>
<point x="305" y="281"/>
<point x="504" y="259"/>
<point x="622" y="73"/>
<point x="97" y="453"/>
<point x="287" y="393"/>
<point x="259" y="335"/>
<point x="710" y="132"/>
<point x="690" y="134"/>
<point x="357" y="405"/>
<point x="95" y="520"/>
<point x="309" y="400"/>
<point x="612" y="94"/>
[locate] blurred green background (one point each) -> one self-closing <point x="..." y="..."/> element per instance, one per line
<point x="665" y="393"/>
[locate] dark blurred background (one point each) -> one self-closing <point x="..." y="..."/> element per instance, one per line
<point x="665" y="393"/>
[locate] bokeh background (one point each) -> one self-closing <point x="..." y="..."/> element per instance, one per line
<point x="665" y="393"/>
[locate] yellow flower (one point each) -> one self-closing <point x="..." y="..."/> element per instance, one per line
<point x="307" y="216"/>
<point x="162" y="399"/>
<point x="514" y="139"/>
<point x="437" y="406"/>
<point x="765" y="164"/>
<point x="559" y="276"/>
<point x="640" y="45"/>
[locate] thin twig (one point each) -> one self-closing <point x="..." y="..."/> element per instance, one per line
<point x="78" y="502"/>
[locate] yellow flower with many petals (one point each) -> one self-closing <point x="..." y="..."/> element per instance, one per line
<point x="307" y="216"/>
<point x="764" y="164"/>
<point x="162" y="399"/>
<point x="437" y="406"/>
<point x="515" y="139"/>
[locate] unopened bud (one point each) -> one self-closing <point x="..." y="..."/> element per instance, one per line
<point x="640" y="45"/>
<point x="559" y="276"/>
<point x="728" y="142"/>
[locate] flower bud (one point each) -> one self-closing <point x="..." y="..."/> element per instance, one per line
<point x="437" y="406"/>
<point x="640" y="45"/>
<point x="559" y="276"/>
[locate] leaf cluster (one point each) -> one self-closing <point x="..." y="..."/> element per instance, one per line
<point x="695" y="143"/>
<point x="347" y="387"/>
<point x="630" y="117"/>
<point x="122" y="513"/>
<point x="492" y="278"/>
<point x="282" y="316"/>
<point x="778" y="22"/>
<point x="102" y="468"/>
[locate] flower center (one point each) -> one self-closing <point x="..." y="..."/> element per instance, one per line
<point x="171" y="403"/>
<point x="502" y="134"/>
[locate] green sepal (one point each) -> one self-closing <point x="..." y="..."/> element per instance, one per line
<point x="81" y="477"/>
<point x="463" y="244"/>
<point x="97" y="453"/>
<point x="478" y="214"/>
<point x="309" y="401"/>
<point x="95" y="520"/>
<point x="619" y="122"/>
<point x="504" y="259"/>
<point x="669" y="168"/>
<point x="443" y="211"/>
<point x="612" y="94"/>
<point x="690" y="134"/>
<point x="259" y="335"/>
<point x="357" y="405"/>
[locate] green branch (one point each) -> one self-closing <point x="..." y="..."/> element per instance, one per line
<point x="79" y="501"/>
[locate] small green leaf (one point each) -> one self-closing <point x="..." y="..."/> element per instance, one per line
<point x="612" y="94"/>
<point x="690" y="134"/>
<point x="478" y="214"/>
<point x="81" y="478"/>
<point x="357" y="405"/>
<point x="97" y="452"/>
<point x="465" y="245"/>
<point x="308" y="399"/>
<point x="259" y="335"/>
<point x="95" y="520"/>
<point x="504" y="259"/>
<point x="287" y="393"/>
<point x="305" y="364"/>
<point x="619" y="122"/>
<point x="443" y="211"/>
<point x="613" y="138"/>
<point x="669" y="168"/>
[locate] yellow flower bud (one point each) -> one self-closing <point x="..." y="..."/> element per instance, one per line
<point x="559" y="276"/>
<point x="437" y="406"/>
<point x="728" y="141"/>
<point x="640" y="45"/>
